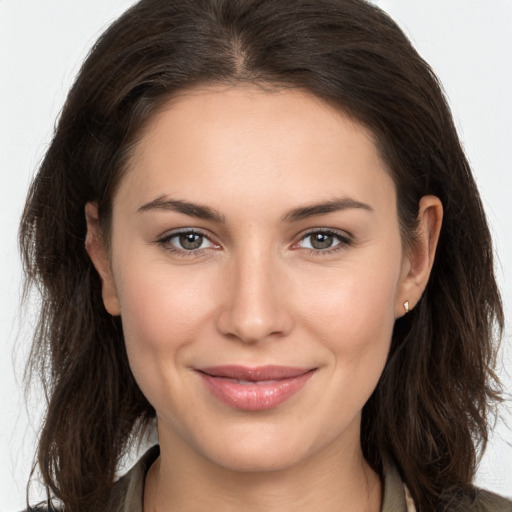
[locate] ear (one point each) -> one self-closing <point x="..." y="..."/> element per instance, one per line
<point x="95" y="247"/>
<point x="419" y="259"/>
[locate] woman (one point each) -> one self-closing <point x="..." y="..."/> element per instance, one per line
<point x="256" y="224"/>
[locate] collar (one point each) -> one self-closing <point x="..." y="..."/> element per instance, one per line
<point x="128" y="492"/>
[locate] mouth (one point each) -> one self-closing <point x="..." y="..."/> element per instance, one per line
<point x="254" y="389"/>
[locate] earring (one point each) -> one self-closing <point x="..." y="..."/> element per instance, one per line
<point x="406" y="306"/>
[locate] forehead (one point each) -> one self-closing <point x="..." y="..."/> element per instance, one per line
<point x="248" y="143"/>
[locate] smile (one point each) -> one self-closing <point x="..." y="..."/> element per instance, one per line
<point x="254" y="389"/>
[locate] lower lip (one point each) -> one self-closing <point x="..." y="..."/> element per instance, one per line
<point x="255" y="397"/>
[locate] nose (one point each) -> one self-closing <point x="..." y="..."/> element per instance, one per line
<point x="254" y="306"/>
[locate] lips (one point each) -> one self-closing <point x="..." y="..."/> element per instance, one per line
<point x="254" y="389"/>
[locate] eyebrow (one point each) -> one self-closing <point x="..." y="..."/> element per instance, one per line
<point x="176" y="205"/>
<point x="206" y="213"/>
<point x="334" y="205"/>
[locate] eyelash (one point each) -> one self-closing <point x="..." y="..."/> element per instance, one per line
<point x="343" y="239"/>
<point x="164" y="242"/>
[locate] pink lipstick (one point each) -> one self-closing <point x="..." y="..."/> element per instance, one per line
<point x="254" y="389"/>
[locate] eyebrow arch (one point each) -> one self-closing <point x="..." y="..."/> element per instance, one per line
<point x="334" y="205"/>
<point x="176" y="205"/>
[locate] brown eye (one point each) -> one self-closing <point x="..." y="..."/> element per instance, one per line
<point x="321" y="240"/>
<point x="190" y="241"/>
<point x="186" y="242"/>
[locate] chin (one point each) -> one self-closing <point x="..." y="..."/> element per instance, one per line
<point x="256" y="458"/>
<point x="268" y="447"/>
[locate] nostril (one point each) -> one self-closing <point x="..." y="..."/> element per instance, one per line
<point x="252" y="308"/>
<point x="252" y="326"/>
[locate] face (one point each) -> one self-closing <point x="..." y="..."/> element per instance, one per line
<point x="257" y="266"/>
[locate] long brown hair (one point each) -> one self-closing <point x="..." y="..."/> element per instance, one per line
<point x="430" y="410"/>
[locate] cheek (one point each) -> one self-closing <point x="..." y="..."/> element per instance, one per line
<point x="358" y="302"/>
<point x="352" y="313"/>
<point x="161" y="311"/>
<point x="163" y="315"/>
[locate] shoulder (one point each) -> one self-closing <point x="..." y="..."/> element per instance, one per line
<point x="486" y="501"/>
<point x="127" y="491"/>
<point x="478" y="500"/>
<point x="43" y="507"/>
<point x="396" y="497"/>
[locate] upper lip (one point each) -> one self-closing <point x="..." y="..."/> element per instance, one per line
<point x="259" y="373"/>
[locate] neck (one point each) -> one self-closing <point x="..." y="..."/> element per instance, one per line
<point x="335" y="480"/>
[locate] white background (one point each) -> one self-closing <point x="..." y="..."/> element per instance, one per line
<point x="42" y="42"/>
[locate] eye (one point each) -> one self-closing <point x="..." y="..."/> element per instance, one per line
<point x="323" y="241"/>
<point x="186" y="241"/>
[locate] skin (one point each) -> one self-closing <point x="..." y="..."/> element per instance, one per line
<point x="258" y="292"/>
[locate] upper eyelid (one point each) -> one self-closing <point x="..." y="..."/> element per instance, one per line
<point x="164" y="240"/>
<point x="331" y="231"/>
<point x="345" y="240"/>
<point x="179" y="231"/>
